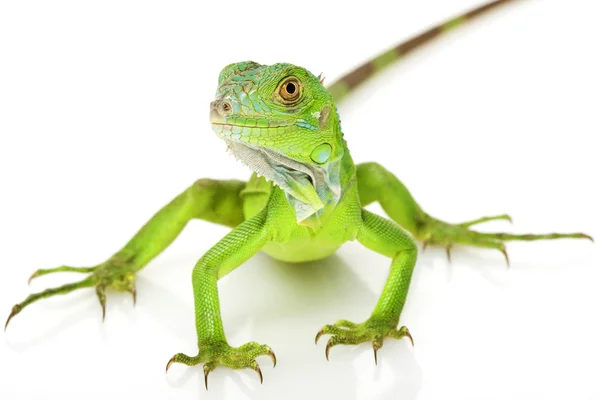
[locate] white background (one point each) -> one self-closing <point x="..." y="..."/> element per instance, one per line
<point x="103" y="119"/>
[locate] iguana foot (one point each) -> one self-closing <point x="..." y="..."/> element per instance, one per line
<point x="373" y="330"/>
<point x="436" y="232"/>
<point x="118" y="272"/>
<point x="221" y="353"/>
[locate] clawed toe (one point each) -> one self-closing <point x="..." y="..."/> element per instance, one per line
<point x="346" y="332"/>
<point x="222" y="354"/>
<point x="117" y="273"/>
<point x="439" y="233"/>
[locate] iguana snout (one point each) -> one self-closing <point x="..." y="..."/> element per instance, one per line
<point x="222" y="107"/>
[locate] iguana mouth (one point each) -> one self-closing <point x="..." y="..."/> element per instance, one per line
<point x="246" y="126"/>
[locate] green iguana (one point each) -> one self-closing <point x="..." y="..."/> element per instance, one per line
<point x="305" y="198"/>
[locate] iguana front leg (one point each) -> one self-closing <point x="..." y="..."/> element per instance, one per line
<point x="208" y="199"/>
<point x="387" y="238"/>
<point x="375" y="183"/>
<point x="229" y="253"/>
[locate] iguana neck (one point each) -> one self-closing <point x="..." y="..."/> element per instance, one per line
<point x="342" y="175"/>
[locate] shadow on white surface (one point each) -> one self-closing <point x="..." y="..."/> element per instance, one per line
<point x="282" y="305"/>
<point x="278" y="306"/>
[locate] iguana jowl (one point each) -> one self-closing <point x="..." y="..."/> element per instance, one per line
<point x="305" y="198"/>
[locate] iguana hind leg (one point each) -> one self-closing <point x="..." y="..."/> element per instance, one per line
<point x="208" y="199"/>
<point x="375" y="183"/>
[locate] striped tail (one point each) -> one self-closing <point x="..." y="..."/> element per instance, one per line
<point x="340" y="88"/>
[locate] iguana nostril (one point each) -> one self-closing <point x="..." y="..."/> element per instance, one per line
<point x="223" y="107"/>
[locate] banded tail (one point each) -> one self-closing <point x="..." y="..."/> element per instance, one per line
<point x="340" y="88"/>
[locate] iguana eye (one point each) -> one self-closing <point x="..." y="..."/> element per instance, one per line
<point x="289" y="90"/>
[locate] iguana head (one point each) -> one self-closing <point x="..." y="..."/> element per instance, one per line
<point x="282" y="123"/>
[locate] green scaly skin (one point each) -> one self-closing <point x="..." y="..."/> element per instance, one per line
<point x="309" y="201"/>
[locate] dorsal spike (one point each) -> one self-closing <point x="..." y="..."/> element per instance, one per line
<point x="321" y="78"/>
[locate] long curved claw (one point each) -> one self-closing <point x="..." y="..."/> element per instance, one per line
<point x="375" y="348"/>
<point x="319" y="334"/>
<point x="15" y="310"/>
<point x="208" y="368"/>
<point x="133" y="294"/>
<point x="377" y="344"/>
<point x="408" y="335"/>
<point x="102" y="298"/>
<point x="330" y="344"/>
<point x="34" y="275"/>
<point x="273" y="358"/>
<point x="256" y="367"/>
<point x="335" y="340"/>
<point x="404" y="332"/>
<point x="171" y="361"/>
<point x="503" y="250"/>
<point x="206" y="372"/>
<point x="448" y="253"/>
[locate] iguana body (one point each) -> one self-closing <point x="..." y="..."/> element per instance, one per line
<point x="308" y="201"/>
